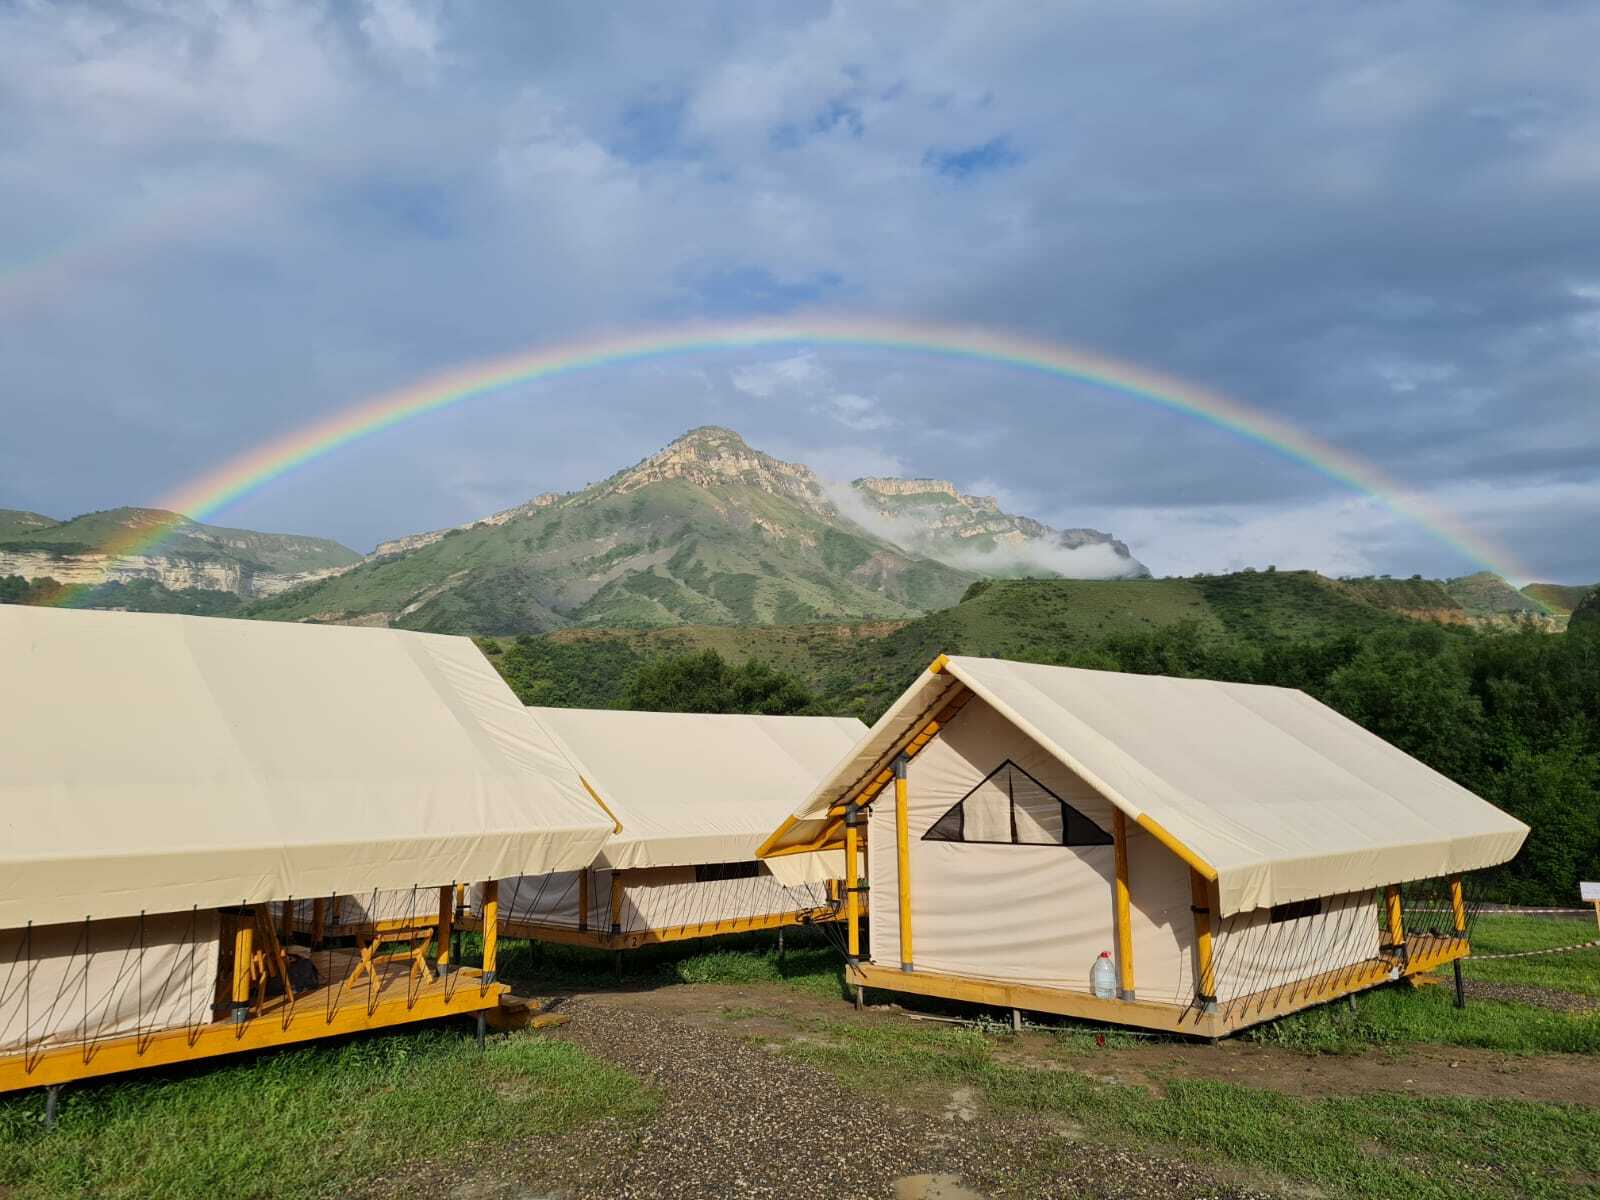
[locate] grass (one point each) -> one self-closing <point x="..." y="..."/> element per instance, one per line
<point x="1377" y="1145"/>
<point x="810" y="964"/>
<point x="1578" y="971"/>
<point x="307" y="1123"/>
<point x="1398" y="1016"/>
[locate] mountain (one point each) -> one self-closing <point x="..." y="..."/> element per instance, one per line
<point x="708" y="531"/>
<point x="1586" y="616"/>
<point x="859" y="668"/>
<point x="1559" y="598"/>
<point x="1487" y="593"/>
<point x="183" y="555"/>
<point x="930" y="517"/>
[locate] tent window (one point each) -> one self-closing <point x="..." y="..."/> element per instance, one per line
<point x="712" y="872"/>
<point x="1295" y="911"/>
<point x="1012" y="808"/>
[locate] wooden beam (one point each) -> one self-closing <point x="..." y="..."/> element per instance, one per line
<point x="1458" y="907"/>
<point x="1205" y="976"/>
<point x="616" y="825"/>
<point x="243" y="953"/>
<point x="281" y="1025"/>
<point x="1123" y="913"/>
<point x="599" y="939"/>
<point x="447" y="912"/>
<point x="616" y="902"/>
<point x="902" y="843"/>
<point x="1397" y="929"/>
<point x="319" y="920"/>
<point x="1033" y="998"/>
<point x="491" y="926"/>
<point x="851" y="882"/>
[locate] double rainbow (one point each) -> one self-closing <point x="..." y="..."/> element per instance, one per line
<point x="205" y="495"/>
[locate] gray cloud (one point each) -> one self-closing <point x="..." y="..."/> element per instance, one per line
<point x="224" y="220"/>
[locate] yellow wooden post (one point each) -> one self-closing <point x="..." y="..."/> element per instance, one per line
<point x="616" y="901"/>
<point x="1124" y="913"/>
<point x="1397" y="929"/>
<point x="1204" y="969"/>
<point x="491" y="926"/>
<point x="244" y="933"/>
<point x="583" y="898"/>
<point x="852" y="906"/>
<point x="1458" y="909"/>
<point x="447" y="912"/>
<point x="902" y="841"/>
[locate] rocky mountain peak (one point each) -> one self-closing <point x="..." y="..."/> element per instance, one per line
<point x="713" y="456"/>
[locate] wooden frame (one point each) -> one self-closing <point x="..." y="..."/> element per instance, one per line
<point x="1423" y="953"/>
<point x="401" y="989"/>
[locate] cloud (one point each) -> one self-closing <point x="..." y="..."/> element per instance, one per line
<point x="227" y="219"/>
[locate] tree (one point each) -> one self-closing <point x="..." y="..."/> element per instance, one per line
<point x="1586" y="617"/>
<point x="707" y="683"/>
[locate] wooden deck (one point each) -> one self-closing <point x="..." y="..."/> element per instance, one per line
<point x="632" y="939"/>
<point x="1423" y="954"/>
<point x="399" y="998"/>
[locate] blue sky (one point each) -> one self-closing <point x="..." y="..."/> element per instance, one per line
<point x="221" y="220"/>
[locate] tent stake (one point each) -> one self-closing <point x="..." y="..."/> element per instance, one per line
<point x="52" y="1105"/>
<point x="480" y="1031"/>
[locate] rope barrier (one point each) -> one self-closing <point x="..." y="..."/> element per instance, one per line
<point x="1531" y="953"/>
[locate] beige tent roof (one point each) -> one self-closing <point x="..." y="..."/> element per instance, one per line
<point x="1278" y="794"/>
<point x="696" y="787"/>
<point x="152" y="762"/>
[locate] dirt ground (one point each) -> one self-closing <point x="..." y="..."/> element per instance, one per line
<point x="739" y="1118"/>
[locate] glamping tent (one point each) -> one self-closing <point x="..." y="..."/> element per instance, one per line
<point x="694" y="795"/>
<point x="163" y="779"/>
<point x="1238" y="851"/>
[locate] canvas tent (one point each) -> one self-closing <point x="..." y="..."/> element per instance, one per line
<point x="164" y="778"/>
<point x="1239" y="850"/>
<point x="694" y="794"/>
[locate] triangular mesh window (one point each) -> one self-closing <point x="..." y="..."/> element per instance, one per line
<point x="1011" y="807"/>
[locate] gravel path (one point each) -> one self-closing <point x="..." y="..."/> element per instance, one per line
<point x="1551" y="998"/>
<point x="740" y="1119"/>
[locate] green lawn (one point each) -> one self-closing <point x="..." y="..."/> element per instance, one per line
<point x="1578" y="971"/>
<point x="1377" y="1145"/>
<point x="306" y="1123"/>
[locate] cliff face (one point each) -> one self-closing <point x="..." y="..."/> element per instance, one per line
<point x="176" y="574"/>
<point x="416" y="541"/>
<point x="934" y="518"/>
<point x="174" y="552"/>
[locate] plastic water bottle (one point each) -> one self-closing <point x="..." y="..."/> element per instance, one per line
<point x="1103" y="977"/>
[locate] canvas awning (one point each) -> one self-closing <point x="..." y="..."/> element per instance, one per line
<point x="695" y="788"/>
<point x="150" y="763"/>
<point x="1279" y="795"/>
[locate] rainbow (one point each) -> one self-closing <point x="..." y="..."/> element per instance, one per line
<point x="206" y="494"/>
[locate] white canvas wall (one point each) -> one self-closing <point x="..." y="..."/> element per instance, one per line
<point x="46" y="980"/>
<point x="654" y="898"/>
<point x="1253" y="954"/>
<point x="1030" y="912"/>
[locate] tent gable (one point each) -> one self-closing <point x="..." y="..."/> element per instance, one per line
<point x="1011" y="807"/>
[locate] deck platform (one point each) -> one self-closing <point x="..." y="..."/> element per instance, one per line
<point x="400" y="997"/>
<point x="1424" y="953"/>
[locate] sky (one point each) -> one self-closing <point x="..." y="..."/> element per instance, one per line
<point x="222" y="221"/>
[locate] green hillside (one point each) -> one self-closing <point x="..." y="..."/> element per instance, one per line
<point x="175" y="536"/>
<point x="1486" y="592"/>
<point x="859" y="668"/>
<point x="1559" y="597"/>
<point x="16" y="522"/>
<point x="709" y="532"/>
